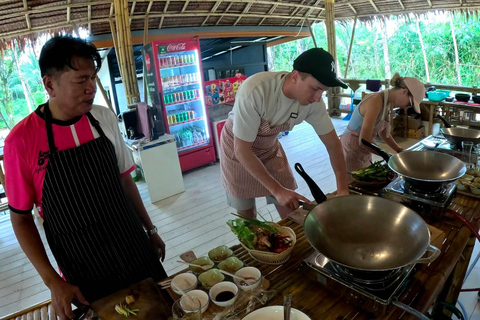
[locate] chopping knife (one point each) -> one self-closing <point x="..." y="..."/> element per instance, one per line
<point x="82" y="311"/>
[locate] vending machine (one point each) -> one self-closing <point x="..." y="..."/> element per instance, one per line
<point x="175" y="84"/>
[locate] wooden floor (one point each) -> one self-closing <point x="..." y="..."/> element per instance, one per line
<point x="194" y="220"/>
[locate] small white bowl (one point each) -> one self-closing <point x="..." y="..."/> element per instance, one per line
<point x="184" y="281"/>
<point x="200" y="295"/>
<point x="275" y="313"/>
<point x="220" y="287"/>
<point x="248" y="272"/>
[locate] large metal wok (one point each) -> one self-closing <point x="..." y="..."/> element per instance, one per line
<point x="366" y="233"/>
<point x="457" y="135"/>
<point x="423" y="170"/>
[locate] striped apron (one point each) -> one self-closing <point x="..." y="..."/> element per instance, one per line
<point x="358" y="156"/>
<point x="237" y="181"/>
<point x="95" y="235"/>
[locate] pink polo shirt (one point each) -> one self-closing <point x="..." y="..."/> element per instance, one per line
<point x="26" y="152"/>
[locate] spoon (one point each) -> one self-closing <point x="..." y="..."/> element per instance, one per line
<point x="183" y="293"/>
<point x="232" y="275"/>
<point x="206" y="267"/>
<point x="287" y="304"/>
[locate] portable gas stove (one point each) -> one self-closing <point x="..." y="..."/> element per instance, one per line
<point x="373" y="292"/>
<point x="431" y="202"/>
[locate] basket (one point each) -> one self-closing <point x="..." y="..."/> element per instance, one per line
<point x="272" y="257"/>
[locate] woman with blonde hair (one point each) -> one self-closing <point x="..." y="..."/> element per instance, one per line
<point x="371" y="117"/>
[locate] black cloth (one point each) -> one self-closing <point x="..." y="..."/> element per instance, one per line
<point x="95" y="235"/>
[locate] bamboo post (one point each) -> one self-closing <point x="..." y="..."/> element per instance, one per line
<point x="104" y="94"/>
<point x="145" y="84"/>
<point x="115" y="44"/>
<point x="125" y="51"/>
<point x="350" y="47"/>
<point x="332" y="48"/>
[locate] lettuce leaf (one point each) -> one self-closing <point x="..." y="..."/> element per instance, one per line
<point x="244" y="234"/>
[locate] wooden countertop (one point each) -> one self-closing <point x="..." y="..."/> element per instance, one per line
<point x="318" y="302"/>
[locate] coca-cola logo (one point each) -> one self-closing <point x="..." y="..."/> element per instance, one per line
<point x="147" y="61"/>
<point x="176" y="47"/>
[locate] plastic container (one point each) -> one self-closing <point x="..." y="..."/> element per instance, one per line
<point x="436" y="95"/>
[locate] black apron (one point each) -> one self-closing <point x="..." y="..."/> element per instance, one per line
<point x="95" y="235"/>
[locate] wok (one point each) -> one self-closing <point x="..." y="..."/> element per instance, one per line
<point x="367" y="233"/>
<point x="457" y="135"/>
<point x="423" y="170"/>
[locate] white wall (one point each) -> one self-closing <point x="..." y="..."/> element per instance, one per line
<point x="104" y="76"/>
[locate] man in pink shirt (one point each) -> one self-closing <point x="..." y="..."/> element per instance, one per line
<point x="68" y="158"/>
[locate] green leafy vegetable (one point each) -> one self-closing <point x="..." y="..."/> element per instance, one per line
<point x="376" y="172"/>
<point x="243" y="233"/>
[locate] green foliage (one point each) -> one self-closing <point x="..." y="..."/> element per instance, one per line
<point x="404" y="49"/>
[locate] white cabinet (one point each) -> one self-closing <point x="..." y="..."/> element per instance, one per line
<point x="161" y="167"/>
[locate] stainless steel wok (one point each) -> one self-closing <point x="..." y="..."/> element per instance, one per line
<point x="367" y="233"/>
<point x="457" y="135"/>
<point x="424" y="170"/>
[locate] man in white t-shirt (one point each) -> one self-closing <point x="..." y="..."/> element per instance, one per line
<point x="253" y="162"/>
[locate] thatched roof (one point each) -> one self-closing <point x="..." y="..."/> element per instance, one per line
<point x="21" y="18"/>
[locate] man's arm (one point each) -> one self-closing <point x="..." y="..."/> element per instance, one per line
<point x="337" y="159"/>
<point x="135" y="199"/>
<point x="29" y="239"/>
<point x="245" y="155"/>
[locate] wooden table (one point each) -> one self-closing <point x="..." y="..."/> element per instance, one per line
<point x="440" y="280"/>
<point x="428" y="282"/>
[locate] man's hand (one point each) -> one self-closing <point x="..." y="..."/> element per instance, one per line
<point x="158" y="245"/>
<point x="289" y="198"/>
<point x="63" y="294"/>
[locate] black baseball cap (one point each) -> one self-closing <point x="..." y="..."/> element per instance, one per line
<point x="321" y="65"/>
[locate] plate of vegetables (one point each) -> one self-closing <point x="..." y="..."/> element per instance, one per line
<point x="378" y="174"/>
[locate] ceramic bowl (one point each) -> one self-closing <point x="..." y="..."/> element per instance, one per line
<point x="211" y="277"/>
<point x="221" y="287"/>
<point x="220" y="253"/>
<point x="203" y="261"/>
<point x="231" y="264"/>
<point x="275" y="313"/>
<point x="248" y="272"/>
<point x="202" y="296"/>
<point x="184" y="281"/>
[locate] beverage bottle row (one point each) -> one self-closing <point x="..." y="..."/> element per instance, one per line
<point x="181" y="96"/>
<point x="180" y="116"/>
<point x="179" y="79"/>
<point x="177" y="60"/>
<point x="189" y="136"/>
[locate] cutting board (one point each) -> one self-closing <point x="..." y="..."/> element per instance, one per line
<point x="437" y="237"/>
<point x="151" y="304"/>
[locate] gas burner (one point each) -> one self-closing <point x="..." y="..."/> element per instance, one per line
<point x="374" y="280"/>
<point x="372" y="291"/>
<point x="434" y="194"/>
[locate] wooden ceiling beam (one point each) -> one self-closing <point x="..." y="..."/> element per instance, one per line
<point x="401" y="4"/>
<point x="164" y="11"/>
<point x="294" y="13"/>
<point x="374" y="5"/>
<point x="27" y="16"/>
<point x="132" y="10"/>
<point x="309" y="11"/>
<point x="185" y="6"/>
<point x="89" y="19"/>
<point x="272" y="9"/>
<point x="215" y="7"/>
<point x="226" y="10"/>
<point x="244" y="12"/>
<point x="111" y="10"/>
<point x="56" y="8"/>
<point x="353" y="8"/>
<point x="429" y="3"/>
<point x="150" y="4"/>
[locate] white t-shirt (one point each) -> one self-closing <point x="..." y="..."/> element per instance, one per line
<point x="261" y="97"/>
